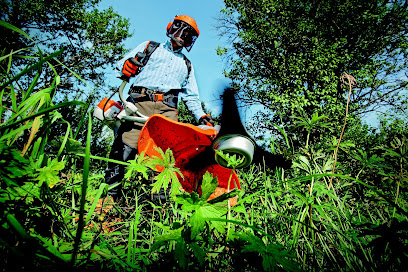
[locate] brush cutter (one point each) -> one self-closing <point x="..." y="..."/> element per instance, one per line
<point x="231" y="137"/>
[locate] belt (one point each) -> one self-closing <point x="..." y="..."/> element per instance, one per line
<point x="148" y="94"/>
<point x="169" y="98"/>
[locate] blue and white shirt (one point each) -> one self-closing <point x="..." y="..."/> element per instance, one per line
<point x="166" y="70"/>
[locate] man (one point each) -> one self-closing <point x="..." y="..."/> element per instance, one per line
<point x="157" y="85"/>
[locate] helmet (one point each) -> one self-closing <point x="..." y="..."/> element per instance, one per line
<point x="185" y="28"/>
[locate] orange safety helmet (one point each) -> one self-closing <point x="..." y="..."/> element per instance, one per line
<point x="185" y="26"/>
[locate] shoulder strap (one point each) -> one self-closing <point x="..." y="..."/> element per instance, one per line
<point x="149" y="49"/>
<point x="188" y="63"/>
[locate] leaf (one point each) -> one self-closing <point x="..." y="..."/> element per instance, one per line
<point x="73" y="146"/>
<point x="13" y="166"/>
<point x="197" y="223"/>
<point x="168" y="175"/>
<point x="189" y="202"/>
<point x="34" y="130"/>
<point x="51" y="248"/>
<point x="199" y="253"/>
<point x="16" y="29"/>
<point x="207" y="210"/>
<point x="181" y="252"/>
<point x="16" y="225"/>
<point x="232" y="160"/>
<point x="137" y="165"/>
<point x="202" y="209"/>
<point x="49" y="173"/>
<point x="209" y="184"/>
<point x="171" y="235"/>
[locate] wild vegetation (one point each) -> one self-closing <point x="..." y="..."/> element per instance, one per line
<point x="341" y="205"/>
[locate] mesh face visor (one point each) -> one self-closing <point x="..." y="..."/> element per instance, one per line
<point x="185" y="32"/>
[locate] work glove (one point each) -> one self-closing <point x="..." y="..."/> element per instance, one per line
<point x="131" y="66"/>
<point x="206" y="120"/>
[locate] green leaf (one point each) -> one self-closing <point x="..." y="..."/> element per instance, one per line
<point x="49" y="173"/>
<point x="208" y="186"/>
<point x="171" y="235"/>
<point x="207" y="210"/>
<point x="16" y="29"/>
<point x="168" y="175"/>
<point x="16" y="225"/>
<point x="233" y="161"/>
<point x="73" y="146"/>
<point x="199" y="253"/>
<point x="13" y="166"/>
<point x="137" y="165"/>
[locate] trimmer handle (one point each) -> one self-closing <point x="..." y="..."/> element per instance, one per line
<point x="129" y="108"/>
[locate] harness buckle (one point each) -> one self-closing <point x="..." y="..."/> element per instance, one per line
<point x="158" y="97"/>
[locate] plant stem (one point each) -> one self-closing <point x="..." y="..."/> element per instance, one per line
<point x="85" y="176"/>
<point x="349" y="78"/>
<point x="229" y="200"/>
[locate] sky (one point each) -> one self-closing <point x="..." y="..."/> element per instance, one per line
<point x="148" y="21"/>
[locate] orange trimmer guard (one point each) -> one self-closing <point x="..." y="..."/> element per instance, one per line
<point x="192" y="150"/>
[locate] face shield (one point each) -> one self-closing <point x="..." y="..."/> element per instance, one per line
<point x="183" y="33"/>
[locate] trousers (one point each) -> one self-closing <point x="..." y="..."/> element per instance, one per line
<point x="124" y="147"/>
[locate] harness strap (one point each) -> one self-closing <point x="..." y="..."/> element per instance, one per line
<point x="139" y="94"/>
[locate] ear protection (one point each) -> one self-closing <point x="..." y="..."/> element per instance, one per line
<point x="169" y="26"/>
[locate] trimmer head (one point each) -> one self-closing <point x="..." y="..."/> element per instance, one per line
<point x="233" y="138"/>
<point x="234" y="144"/>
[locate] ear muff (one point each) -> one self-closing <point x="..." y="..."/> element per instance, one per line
<point x="168" y="26"/>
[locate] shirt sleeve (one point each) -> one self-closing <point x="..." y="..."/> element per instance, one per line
<point x="190" y="95"/>
<point x="131" y="54"/>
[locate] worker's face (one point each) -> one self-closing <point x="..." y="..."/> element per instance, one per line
<point x="182" y="33"/>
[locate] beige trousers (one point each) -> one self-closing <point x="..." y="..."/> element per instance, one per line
<point x="131" y="131"/>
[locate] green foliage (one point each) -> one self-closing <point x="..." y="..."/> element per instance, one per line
<point x="168" y="175"/>
<point x="272" y="254"/>
<point x="287" y="55"/>
<point x="232" y="160"/>
<point x="49" y="173"/>
<point x="92" y="39"/>
<point x="13" y="167"/>
<point x="184" y="115"/>
<point x="312" y="125"/>
<point x="139" y="165"/>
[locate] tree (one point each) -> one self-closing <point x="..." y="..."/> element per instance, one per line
<point x="92" y="39"/>
<point x="290" y="54"/>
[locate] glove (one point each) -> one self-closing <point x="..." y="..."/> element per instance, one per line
<point x="206" y="120"/>
<point x="130" y="68"/>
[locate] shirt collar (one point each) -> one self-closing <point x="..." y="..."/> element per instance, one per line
<point x="168" y="46"/>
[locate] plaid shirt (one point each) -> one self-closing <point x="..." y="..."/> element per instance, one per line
<point x="166" y="70"/>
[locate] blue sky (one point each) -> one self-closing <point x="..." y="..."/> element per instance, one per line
<point x="148" y="21"/>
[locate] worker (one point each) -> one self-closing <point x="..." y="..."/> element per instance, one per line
<point x="158" y="82"/>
